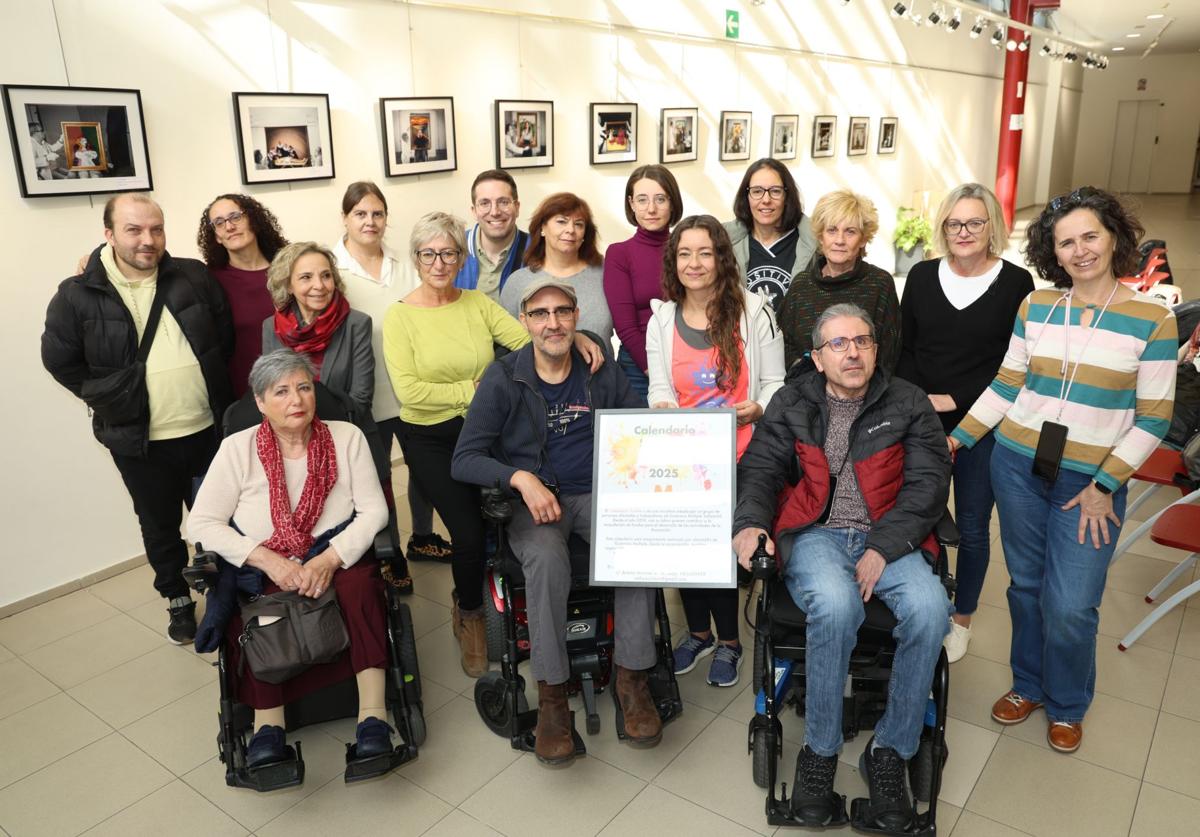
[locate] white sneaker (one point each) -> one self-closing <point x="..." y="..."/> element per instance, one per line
<point x="956" y="641"/>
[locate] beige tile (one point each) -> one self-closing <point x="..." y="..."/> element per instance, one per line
<point x="654" y="811"/>
<point x="970" y="748"/>
<point x="714" y="773"/>
<point x="436" y="584"/>
<point x="44" y="733"/>
<point x="1175" y="755"/>
<point x="1025" y="786"/>
<point x="53" y="620"/>
<point x="1120" y="612"/>
<point x="84" y="655"/>
<point x="694" y="688"/>
<point x="21" y="686"/>
<point x="995" y="586"/>
<point x="1189" y="632"/>
<point x="991" y="633"/>
<point x="390" y="805"/>
<point x="135" y="689"/>
<point x="127" y="590"/>
<point x="1183" y="688"/>
<point x="579" y="799"/>
<point x="458" y="824"/>
<point x="101" y="779"/>
<point x="1116" y="734"/>
<point x="741" y="708"/>
<point x="1137" y="575"/>
<point x="1138" y="675"/>
<point x="427" y="615"/>
<point x="1160" y="811"/>
<point x="442" y="766"/>
<point x="176" y="809"/>
<point x="440" y="660"/>
<point x="1163" y="497"/>
<point x="1146" y="547"/>
<point x="5" y="654"/>
<point x="183" y="734"/>
<point x="971" y="824"/>
<point x="975" y="684"/>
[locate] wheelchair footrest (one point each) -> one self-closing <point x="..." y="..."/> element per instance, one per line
<point x="358" y="769"/>
<point x="921" y="824"/>
<point x="779" y="812"/>
<point x="269" y="777"/>
<point x="526" y="740"/>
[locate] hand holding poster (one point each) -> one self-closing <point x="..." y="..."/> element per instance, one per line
<point x="663" y="493"/>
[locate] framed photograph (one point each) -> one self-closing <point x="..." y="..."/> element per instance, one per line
<point x="77" y="140"/>
<point x="735" y="135"/>
<point x="889" y="126"/>
<point x="856" y="137"/>
<point x="524" y="134"/>
<point x="418" y="135"/>
<point x="283" y="136"/>
<point x="824" y="132"/>
<point x="614" y="133"/>
<point x="784" y="130"/>
<point x="679" y="135"/>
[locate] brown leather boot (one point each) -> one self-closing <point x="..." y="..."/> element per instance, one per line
<point x="552" y="737"/>
<point x="643" y="726"/>
<point x="471" y="632"/>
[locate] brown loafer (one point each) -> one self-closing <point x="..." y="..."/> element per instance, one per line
<point x="553" y="743"/>
<point x="1013" y="709"/>
<point x="643" y="726"/>
<point x="1064" y="736"/>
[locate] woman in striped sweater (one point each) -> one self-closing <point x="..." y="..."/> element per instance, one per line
<point x="1090" y="363"/>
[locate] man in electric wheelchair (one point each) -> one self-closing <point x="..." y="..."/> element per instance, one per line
<point x="853" y="466"/>
<point x="530" y="429"/>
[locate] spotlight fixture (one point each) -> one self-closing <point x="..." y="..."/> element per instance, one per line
<point x="1103" y="62"/>
<point x="1045" y="50"/>
<point x="899" y="10"/>
<point x="998" y="38"/>
<point x="953" y="23"/>
<point x="934" y="17"/>
<point x="1070" y="57"/>
<point x="1023" y="44"/>
<point x="915" y="18"/>
<point x="978" y="28"/>
<point x="1011" y="45"/>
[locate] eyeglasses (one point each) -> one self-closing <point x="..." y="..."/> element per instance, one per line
<point x="643" y="201"/>
<point x="448" y="257"/>
<point x="502" y="204"/>
<point x="756" y="192"/>
<point x="228" y="220"/>
<point x="842" y="344"/>
<point x="541" y="315"/>
<point x="974" y="226"/>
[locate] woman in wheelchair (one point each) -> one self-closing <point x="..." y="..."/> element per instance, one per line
<point x="299" y="501"/>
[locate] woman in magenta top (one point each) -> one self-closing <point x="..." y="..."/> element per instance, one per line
<point x="633" y="268"/>
<point x="238" y="238"/>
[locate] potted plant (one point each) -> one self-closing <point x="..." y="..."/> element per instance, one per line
<point x="913" y="232"/>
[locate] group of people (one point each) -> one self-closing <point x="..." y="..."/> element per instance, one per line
<point x="975" y="379"/>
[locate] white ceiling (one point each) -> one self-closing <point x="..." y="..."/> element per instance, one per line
<point x="1109" y="21"/>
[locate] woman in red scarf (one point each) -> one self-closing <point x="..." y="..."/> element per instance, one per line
<point x="300" y="500"/>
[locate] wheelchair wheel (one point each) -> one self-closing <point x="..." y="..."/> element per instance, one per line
<point x="493" y="701"/>
<point x="408" y="655"/>
<point x="416" y="721"/>
<point x="920" y="769"/>
<point x="764" y="748"/>
<point x="494" y="627"/>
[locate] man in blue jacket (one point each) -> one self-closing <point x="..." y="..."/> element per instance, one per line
<point x="495" y="247"/>
<point x="530" y="429"/>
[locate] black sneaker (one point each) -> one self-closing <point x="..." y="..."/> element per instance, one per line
<point x="372" y="737"/>
<point x="890" y="807"/>
<point x="181" y="630"/>
<point x="813" y="799"/>
<point x="431" y="547"/>
<point x="269" y="745"/>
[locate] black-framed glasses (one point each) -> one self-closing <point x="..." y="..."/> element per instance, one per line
<point x="842" y="344"/>
<point x="974" y="226"/>
<point x="486" y="204"/>
<point x="227" y="220"/>
<point x="757" y="192"/>
<point x="541" y="315"/>
<point x="448" y="257"/>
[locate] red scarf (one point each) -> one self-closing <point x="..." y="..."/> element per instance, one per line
<point x="312" y="339"/>
<point x="293" y="530"/>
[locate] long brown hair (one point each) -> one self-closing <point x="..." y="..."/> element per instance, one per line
<point x="725" y="308"/>
<point x="562" y="203"/>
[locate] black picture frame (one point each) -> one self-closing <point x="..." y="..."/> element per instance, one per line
<point x="858" y="136"/>
<point x="614" y="132"/>
<point x="785" y="136"/>
<point x="531" y="125"/>
<point x="889" y="133"/>
<point x="297" y="139"/>
<point x="435" y="114"/>
<point x="735" y="135"/>
<point x="678" y="135"/>
<point x="824" y="136"/>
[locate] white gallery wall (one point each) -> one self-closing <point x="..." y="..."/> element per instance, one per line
<point x="67" y="515"/>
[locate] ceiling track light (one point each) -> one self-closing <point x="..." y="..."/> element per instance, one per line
<point x="1070" y="57"/>
<point x="953" y="23"/>
<point x="934" y="18"/>
<point x="978" y="27"/>
<point x="998" y="38"/>
<point x="1023" y="44"/>
<point x="1045" y="50"/>
<point x="899" y="10"/>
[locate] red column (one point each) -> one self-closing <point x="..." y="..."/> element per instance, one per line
<point x="1012" y="113"/>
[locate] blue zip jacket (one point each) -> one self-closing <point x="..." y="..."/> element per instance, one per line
<point x="468" y="274"/>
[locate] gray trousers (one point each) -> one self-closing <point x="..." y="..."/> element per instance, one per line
<point x="542" y="551"/>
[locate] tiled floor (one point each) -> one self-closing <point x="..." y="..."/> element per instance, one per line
<point x="105" y="728"/>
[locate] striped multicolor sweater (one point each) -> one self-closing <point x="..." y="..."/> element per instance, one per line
<point x="1120" y="405"/>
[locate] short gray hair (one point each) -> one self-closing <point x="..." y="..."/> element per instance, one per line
<point x="429" y="227"/>
<point x="271" y="367"/>
<point x="842" y="309"/>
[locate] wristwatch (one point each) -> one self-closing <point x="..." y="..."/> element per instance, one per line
<point x="1102" y="488"/>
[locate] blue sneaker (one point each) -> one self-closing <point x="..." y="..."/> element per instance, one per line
<point x="689" y="652"/>
<point x="725" y="665"/>
<point x="372" y="738"/>
<point x="268" y="745"/>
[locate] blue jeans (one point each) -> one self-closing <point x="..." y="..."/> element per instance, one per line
<point x="820" y="577"/>
<point x="638" y="382"/>
<point x="1057" y="583"/>
<point x="973" y="503"/>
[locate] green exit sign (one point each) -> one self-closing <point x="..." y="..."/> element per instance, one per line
<point x="732" y="27"/>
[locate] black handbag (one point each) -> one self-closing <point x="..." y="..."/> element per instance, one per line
<point x="121" y="397"/>
<point x="298" y="632"/>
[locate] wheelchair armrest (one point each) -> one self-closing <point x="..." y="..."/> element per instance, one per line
<point x="497" y="504"/>
<point x="202" y="572"/>
<point x="946" y="530"/>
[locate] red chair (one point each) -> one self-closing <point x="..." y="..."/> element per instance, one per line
<point x="1176" y="526"/>
<point x="1162" y="468"/>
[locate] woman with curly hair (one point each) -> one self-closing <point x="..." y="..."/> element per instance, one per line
<point x="1083" y="397"/>
<point x="713" y="343"/>
<point x="238" y="238"/>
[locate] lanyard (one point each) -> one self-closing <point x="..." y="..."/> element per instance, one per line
<point x="1064" y="390"/>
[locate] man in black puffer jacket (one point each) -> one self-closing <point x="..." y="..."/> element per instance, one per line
<point x="94" y="325"/>
<point x="854" y="464"/>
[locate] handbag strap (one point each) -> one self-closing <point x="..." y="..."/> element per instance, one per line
<point x="156" y="308"/>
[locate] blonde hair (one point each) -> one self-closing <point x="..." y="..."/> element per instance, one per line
<point x="998" y="232"/>
<point x="279" y="274"/>
<point x="844" y="205"/>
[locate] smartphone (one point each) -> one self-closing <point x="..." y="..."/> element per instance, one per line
<point x="1051" y="443"/>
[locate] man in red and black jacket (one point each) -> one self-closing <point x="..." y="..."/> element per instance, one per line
<point x="855" y="465"/>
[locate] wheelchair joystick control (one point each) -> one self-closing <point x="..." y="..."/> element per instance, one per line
<point x="497" y="503"/>
<point x="762" y="564"/>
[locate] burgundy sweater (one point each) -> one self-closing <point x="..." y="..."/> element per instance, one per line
<point x="250" y="304"/>
<point x="633" y="277"/>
